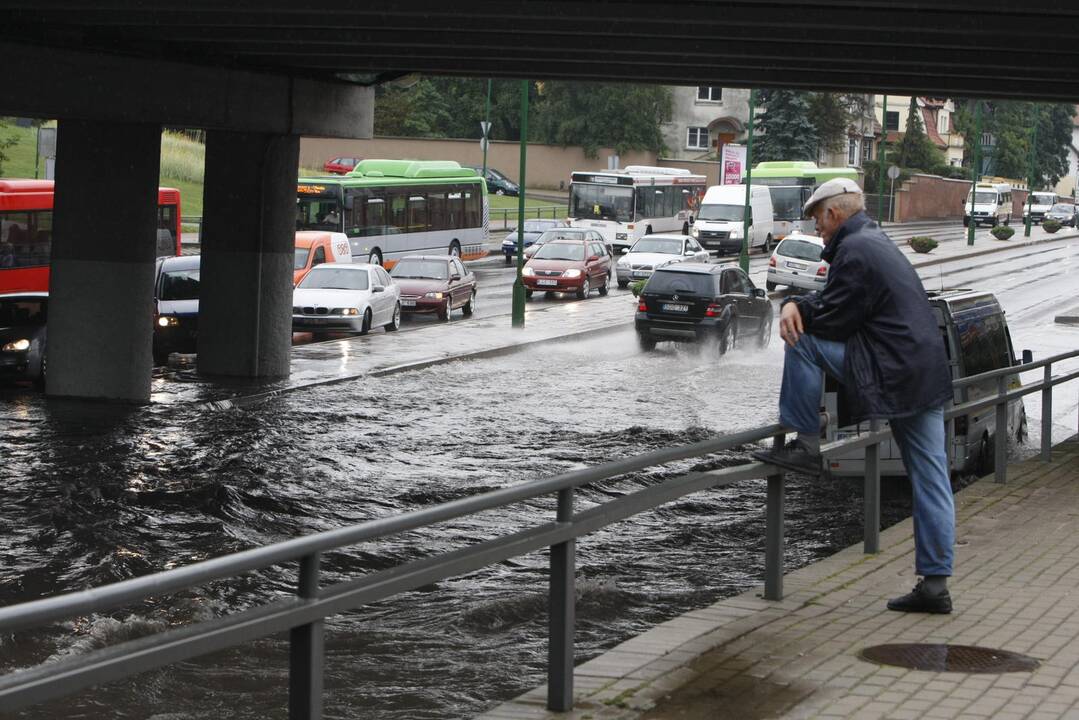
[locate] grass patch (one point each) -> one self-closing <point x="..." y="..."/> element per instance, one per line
<point x="182" y="159"/>
<point x="20" y="162"/>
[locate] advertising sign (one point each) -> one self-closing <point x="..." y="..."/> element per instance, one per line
<point x="734" y="164"/>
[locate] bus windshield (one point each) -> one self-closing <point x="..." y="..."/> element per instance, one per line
<point x="787" y="202"/>
<point x="985" y="197"/>
<point x="728" y="213"/>
<point x="318" y="214"/>
<point x="601" y="202"/>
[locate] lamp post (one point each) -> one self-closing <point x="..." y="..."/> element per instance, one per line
<point x="486" y="129"/>
<point x="882" y="156"/>
<point x="1030" y="177"/>
<point x="743" y="257"/>
<point x="518" y="318"/>
<point x="975" y="169"/>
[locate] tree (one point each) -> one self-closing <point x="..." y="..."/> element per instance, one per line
<point x="916" y="150"/>
<point x="831" y="115"/>
<point x="786" y="130"/>
<point x="418" y="110"/>
<point x="595" y="115"/>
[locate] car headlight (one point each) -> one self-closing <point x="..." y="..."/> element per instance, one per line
<point x="623" y="265"/>
<point x="527" y="270"/>
<point x="168" y="320"/>
<point x="572" y="273"/>
<point x="694" y="231"/>
<point x="17" y="345"/>
<point x="434" y="295"/>
<point x="620" y="236"/>
<point x="350" y="311"/>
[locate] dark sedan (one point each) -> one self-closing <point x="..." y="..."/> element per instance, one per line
<point x="23" y="336"/>
<point x="1062" y="213"/>
<point x="436" y="284"/>
<point x="697" y="302"/>
<point x="532" y="231"/>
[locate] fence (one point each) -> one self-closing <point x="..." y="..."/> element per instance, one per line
<point x="875" y="210"/>
<point x="303" y="614"/>
<point x="508" y="216"/>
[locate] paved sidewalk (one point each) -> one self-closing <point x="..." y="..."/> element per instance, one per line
<point x="1016" y="588"/>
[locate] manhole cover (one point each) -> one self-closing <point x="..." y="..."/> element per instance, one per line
<point x="950" y="658"/>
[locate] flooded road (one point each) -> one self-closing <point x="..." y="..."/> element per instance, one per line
<point x="91" y="494"/>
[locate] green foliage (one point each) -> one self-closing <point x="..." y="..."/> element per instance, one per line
<point x="418" y="110"/>
<point x="636" y="286"/>
<point x="873" y="168"/>
<point x="922" y="243"/>
<point x="1050" y="226"/>
<point x="182" y="158"/>
<point x="830" y="115"/>
<point x="595" y="115"/>
<point x="1002" y="232"/>
<point x="786" y="130"/>
<point x="916" y="150"/>
<point x="6" y="143"/>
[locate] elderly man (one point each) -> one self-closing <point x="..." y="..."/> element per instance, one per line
<point x="872" y="329"/>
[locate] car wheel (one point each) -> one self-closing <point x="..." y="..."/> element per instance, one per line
<point x="395" y="321"/>
<point x="470" y="306"/>
<point x="769" y="285"/>
<point x="766" y="333"/>
<point x="606" y="286"/>
<point x="366" y="327"/>
<point x="986" y="457"/>
<point x="727" y="340"/>
<point x="623" y="284"/>
<point x="646" y="342"/>
<point x="995" y="221"/>
<point x="375" y="258"/>
<point x="648" y="230"/>
<point x="455" y="249"/>
<point x="509" y="260"/>
<point x="583" y="292"/>
<point x="768" y="244"/>
<point x="444" y="312"/>
<point x="528" y="294"/>
<point x="1021" y="433"/>
<point x="685" y="228"/>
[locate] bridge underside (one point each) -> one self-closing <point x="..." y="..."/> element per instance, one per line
<point x="259" y="73"/>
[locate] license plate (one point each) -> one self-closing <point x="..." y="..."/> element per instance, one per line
<point x="547" y="282"/>
<point x="408" y="303"/>
<point x="796" y="266"/>
<point x="675" y="307"/>
<point x="639" y="274"/>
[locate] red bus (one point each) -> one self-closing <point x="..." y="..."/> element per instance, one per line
<point x="26" y="232"/>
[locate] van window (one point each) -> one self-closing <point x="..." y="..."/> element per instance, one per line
<point x="983" y="341"/>
<point x="320" y="256"/>
<point x="727" y="213"/>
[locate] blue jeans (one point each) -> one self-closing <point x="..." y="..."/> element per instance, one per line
<point x="920" y="437"/>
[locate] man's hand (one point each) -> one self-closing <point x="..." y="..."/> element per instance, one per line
<point x="790" y="323"/>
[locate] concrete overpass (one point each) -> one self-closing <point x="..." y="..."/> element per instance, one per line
<point x="257" y="74"/>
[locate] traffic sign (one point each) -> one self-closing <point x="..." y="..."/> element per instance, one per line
<point x="483" y="143"/>
<point x="893" y="172"/>
<point x="485" y="127"/>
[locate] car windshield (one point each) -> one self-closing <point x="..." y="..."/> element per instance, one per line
<point x="559" y="234"/>
<point x="1063" y="208"/>
<point x="985" y="197"/>
<point x="800" y="249"/>
<point x="666" y="246"/>
<point x="601" y="202"/>
<point x="300" y="261"/>
<point x="729" y="213"/>
<point x="23" y="311"/>
<point x="560" y="251"/>
<point x="1043" y="199"/>
<point x="665" y="281"/>
<point x="180" y="285"/>
<point x="328" y="278"/>
<point x="538" y="226"/>
<point x="426" y="269"/>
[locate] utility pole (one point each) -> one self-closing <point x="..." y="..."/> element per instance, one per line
<point x="487" y="130"/>
<point x="882" y="156"/>
<point x="1030" y="177"/>
<point x="976" y="168"/>
<point x="518" y="318"/>
<point x="747" y="220"/>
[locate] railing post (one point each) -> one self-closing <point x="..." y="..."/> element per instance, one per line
<point x="1047" y="416"/>
<point x="871" y="539"/>
<point x="774" y="531"/>
<point x="1000" y="436"/>
<point x="306" y="653"/>
<point x="562" y="616"/>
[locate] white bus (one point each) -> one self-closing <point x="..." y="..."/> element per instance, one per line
<point x="624" y="205"/>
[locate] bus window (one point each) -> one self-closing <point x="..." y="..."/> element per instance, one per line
<point x="25" y="239"/>
<point x="597" y="202"/>
<point x="417" y="213"/>
<point x="437" y="217"/>
<point x="166" y="228"/>
<point x="398" y="211"/>
<point x="472" y="208"/>
<point x="374" y="219"/>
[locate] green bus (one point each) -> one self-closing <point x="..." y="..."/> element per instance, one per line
<point x="790" y="183"/>
<point x="393" y="208"/>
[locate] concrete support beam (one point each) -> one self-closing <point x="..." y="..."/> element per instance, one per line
<point x="249" y="216"/>
<point x="103" y="250"/>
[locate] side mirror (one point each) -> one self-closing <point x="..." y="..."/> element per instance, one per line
<point x="625" y="251"/>
<point x="1028" y="357"/>
<point x="378" y="288"/>
<point x="454" y="278"/>
<point x="593" y="258"/>
<point x="689" y="252"/>
<point x="349" y="199"/>
<point x="759" y="292"/>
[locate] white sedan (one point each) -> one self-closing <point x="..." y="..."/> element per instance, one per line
<point x="652" y="252"/>
<point x="352" y="298"/>
<point x="796" y="262"/>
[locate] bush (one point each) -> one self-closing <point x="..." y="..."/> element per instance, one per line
<point x="922" y="244"/>
<point x="636" y="286"/>
<point x="1050" y="226"/>
<point x="1002" y="232"/>
<point x="181" y="158"/>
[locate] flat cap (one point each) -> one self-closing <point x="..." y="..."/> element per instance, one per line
<point x="838" y="186"/>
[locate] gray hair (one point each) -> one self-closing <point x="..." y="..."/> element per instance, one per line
<point x="844" y="204"/>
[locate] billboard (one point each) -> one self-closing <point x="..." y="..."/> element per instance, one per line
<point x="734" y="164"/>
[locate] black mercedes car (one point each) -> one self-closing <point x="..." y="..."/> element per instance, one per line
<point x="696" y="302"/>
<point x="23" y="336"/>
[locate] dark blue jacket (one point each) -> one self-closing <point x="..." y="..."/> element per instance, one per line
<point x="896" y="364"/>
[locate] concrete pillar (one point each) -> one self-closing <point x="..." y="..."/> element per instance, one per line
<point x="245" y="291"/>
<point x="103" y="250"/>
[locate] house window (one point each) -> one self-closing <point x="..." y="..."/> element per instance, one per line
<point x="891" y="121"/>
<point x="852" y="151"/>
<point x="709" y="93"/>
<point x="867" y="150"/>
<point x="942" y="123"/>
<point x="697" y="138"/>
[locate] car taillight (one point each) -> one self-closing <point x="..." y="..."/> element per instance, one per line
<point x="713" y="310"/>
<point x="642" y="306"/>
<point x="822" y="271"/>
<point x="772" y="261"/>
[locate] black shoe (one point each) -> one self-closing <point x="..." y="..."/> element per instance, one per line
<point x="920" y="601"/>
<point x="793" y="456"/>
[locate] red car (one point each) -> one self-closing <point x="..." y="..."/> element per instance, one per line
<point x="576" y="266"/>
<point x="341" y="165"/>
<point x="435" y="284"/>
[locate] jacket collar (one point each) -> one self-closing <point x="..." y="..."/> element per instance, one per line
<point x="853" y="224"/>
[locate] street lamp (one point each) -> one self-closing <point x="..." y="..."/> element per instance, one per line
<point x="518" y="317"/>
<point x="743" y="256"/>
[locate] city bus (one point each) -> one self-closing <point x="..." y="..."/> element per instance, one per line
<point x="392" y="208"/>
<point x="790" y="184"/>
<point x="624" y="205"/>
<point x="26" y="232"/>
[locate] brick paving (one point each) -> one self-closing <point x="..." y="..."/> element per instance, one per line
<point x="1016" y="588"/>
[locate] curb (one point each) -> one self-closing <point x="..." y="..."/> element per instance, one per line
<point x="990" y="251"/>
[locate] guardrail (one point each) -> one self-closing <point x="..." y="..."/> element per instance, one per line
<point x="303" y="614"/>
<point x="508" y="216"/>
<point x="192" y="220"/>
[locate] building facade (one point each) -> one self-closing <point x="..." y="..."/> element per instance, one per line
<point x="704" y="119"/>
<point x="1070" y="183"/>
<point x="937" y="119"/>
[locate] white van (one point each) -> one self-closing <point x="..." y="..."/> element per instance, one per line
<point x="719" y="222"/>
<point x="990" y="204"/>
<point x="1037" y="205"/>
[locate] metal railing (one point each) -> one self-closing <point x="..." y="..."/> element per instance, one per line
<point x="508" y="216"/>
<point x="303" y="614"/>
<point x="195" y="220"/>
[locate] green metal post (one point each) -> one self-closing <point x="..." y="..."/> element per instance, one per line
<point x="882" y="157"/>
<point x="518" y="319"/>
<point x="976" y="168"/>
<point x="743" y="257"/>
<point x="487" y="132"/>
<point x="1030" y="178"/>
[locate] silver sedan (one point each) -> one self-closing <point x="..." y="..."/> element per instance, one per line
<point x="652" y="252"/>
